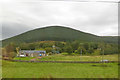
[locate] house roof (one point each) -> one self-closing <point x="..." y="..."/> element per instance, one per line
<point x="32" y="51"/>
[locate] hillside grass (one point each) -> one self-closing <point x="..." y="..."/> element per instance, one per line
<point x="58" y="70"/>
<point x="65" y="57"/>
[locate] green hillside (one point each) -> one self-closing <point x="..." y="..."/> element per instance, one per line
<point x="56" y="33"/>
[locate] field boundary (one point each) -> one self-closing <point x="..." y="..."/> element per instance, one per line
<point x="64" y="61"/>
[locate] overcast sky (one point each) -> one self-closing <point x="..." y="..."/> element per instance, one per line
<point x="99" y="18"/>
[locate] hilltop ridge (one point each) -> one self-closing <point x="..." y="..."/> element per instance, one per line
<point x="55" y="33"/>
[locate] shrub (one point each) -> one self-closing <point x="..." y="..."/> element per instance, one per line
<point x="97" y="52"/>
<point x="12" y="55"/>
<point x="64" y="53"/>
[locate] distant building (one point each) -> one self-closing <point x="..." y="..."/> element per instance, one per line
<point x="31" y="53"/>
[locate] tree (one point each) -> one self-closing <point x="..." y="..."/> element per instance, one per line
<point x="45" y="45"/>
<point x="81" y="50"/>
<point x="86" y="46"/>
<point x="12" y="55"/>
<point x="59" y="44"/>
<point x="24" y="46"/>
<point x="75" y="45"/>
<point x="10" y="50"/>
<point x="31" y="46"/>
<point x="40" y="44"/>
<point x="91" y="50"/>
<point x="110" y="49"/>
<point x="48" y="49"/>
<point x="17" y="50"/>
<point x="97" y="52"/>
<point x="4" y="54"/>
<point x="101" y="46"/>
<point x="68" y="49"/>
<point x="93" y="45"/>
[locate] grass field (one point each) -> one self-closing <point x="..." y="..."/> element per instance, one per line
<point x="23" y="58"/>
<point x="59" y="70"/>
<point x="62" y="70"/>
<point x="0" y="68"/>
<point x="59" y="57"/>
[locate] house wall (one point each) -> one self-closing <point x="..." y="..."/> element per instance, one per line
<point x="35" y="54"/>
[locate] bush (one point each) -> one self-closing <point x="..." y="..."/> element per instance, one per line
<point x="97" y="52"/>
<point x="12" y="55"/>
<point x="48" y="49"/>
<point x="81" y="50"/>
<point x="68" y="49"/>
<point x="50" y="53"/>
<point x="73" y="53"/>
<point x="64" y="53"/>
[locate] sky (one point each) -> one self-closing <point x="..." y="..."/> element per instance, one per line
<point x="19" y="16"/>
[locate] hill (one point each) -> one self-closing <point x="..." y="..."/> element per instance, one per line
<point x="56" y="33"/>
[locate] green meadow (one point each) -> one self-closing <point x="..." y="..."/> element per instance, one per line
<point x="59" y="57"/>
<point x="65" y="57"/>
<point x="59" y="70"/>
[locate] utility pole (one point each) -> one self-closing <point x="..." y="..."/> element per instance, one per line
<point x="53" y="49"/>
<point x="102" y="56"/>
<point x="81" y="54"/>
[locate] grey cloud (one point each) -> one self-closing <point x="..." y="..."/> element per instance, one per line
<point x="12" y="29"/>
<point x="96" y="18"/>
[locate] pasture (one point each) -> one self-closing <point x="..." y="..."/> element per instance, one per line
<point x="59" y="70"/>
<point x="60" y="57"/>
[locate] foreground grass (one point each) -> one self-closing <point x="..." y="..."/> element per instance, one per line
<point x="0" y="68"/>
<point x="59" y="70"/>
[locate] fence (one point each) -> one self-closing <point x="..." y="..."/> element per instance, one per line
<point x="65" y="61"/>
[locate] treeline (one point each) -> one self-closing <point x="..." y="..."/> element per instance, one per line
<point x="70" y="47"/>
